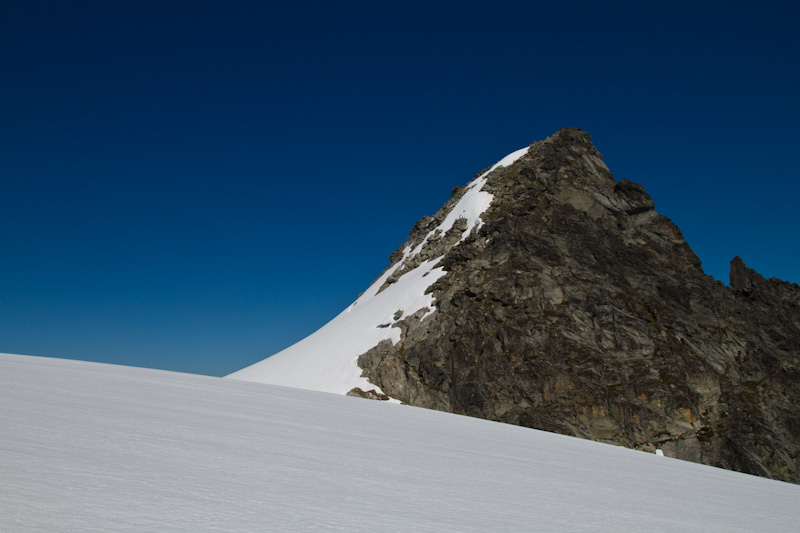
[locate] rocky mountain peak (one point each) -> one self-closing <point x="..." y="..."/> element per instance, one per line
<point x="547" y="294"/>
<point x="575" y="307"/>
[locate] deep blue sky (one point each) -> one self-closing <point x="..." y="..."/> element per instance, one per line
<point x="197" y="185"/>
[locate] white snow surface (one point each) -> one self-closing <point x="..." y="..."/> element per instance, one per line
<point x="327" y="360"/>
<point x="102" y="448"/>
<point x="508" y="160"/>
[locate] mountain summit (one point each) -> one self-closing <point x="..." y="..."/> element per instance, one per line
<point x="546" y="294"/>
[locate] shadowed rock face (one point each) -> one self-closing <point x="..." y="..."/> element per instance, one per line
<point x="578" y="309"/>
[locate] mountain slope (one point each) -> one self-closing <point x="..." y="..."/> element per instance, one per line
<point x="573" y="306"/>
<point x="91" y="447"/>
<point x="327" y="359"/>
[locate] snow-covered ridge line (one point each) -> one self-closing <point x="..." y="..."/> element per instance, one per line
<point x="327" y="360"/>
<point x="472" y="204"/>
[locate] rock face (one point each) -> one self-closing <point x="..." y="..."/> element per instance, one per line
<point x="576" y="308"/>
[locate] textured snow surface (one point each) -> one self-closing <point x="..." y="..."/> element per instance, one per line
<point x="91" y="447"/>
<point x="327" y="360"/>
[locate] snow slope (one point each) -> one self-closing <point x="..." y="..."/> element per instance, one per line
<point x="92" y="447"/>
<point x="326" y="360"/>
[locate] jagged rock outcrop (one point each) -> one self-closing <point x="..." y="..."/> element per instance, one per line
<point x="577" y="308"/>
<point x="369" y="395"/>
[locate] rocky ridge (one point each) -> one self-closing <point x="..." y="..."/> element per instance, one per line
<point x="576" y="308"/>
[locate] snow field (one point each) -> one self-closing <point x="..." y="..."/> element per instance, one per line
<point x="91" y="447"/>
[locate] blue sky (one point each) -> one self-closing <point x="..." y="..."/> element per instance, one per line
<point x="196" y="185"/>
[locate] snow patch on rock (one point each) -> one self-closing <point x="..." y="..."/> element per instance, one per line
<point x="472" y="205"/>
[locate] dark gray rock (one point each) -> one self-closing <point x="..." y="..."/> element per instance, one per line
<point x="371" y="394"/>
<point x="578" y="309"/>
<point x="743" y="279"/>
